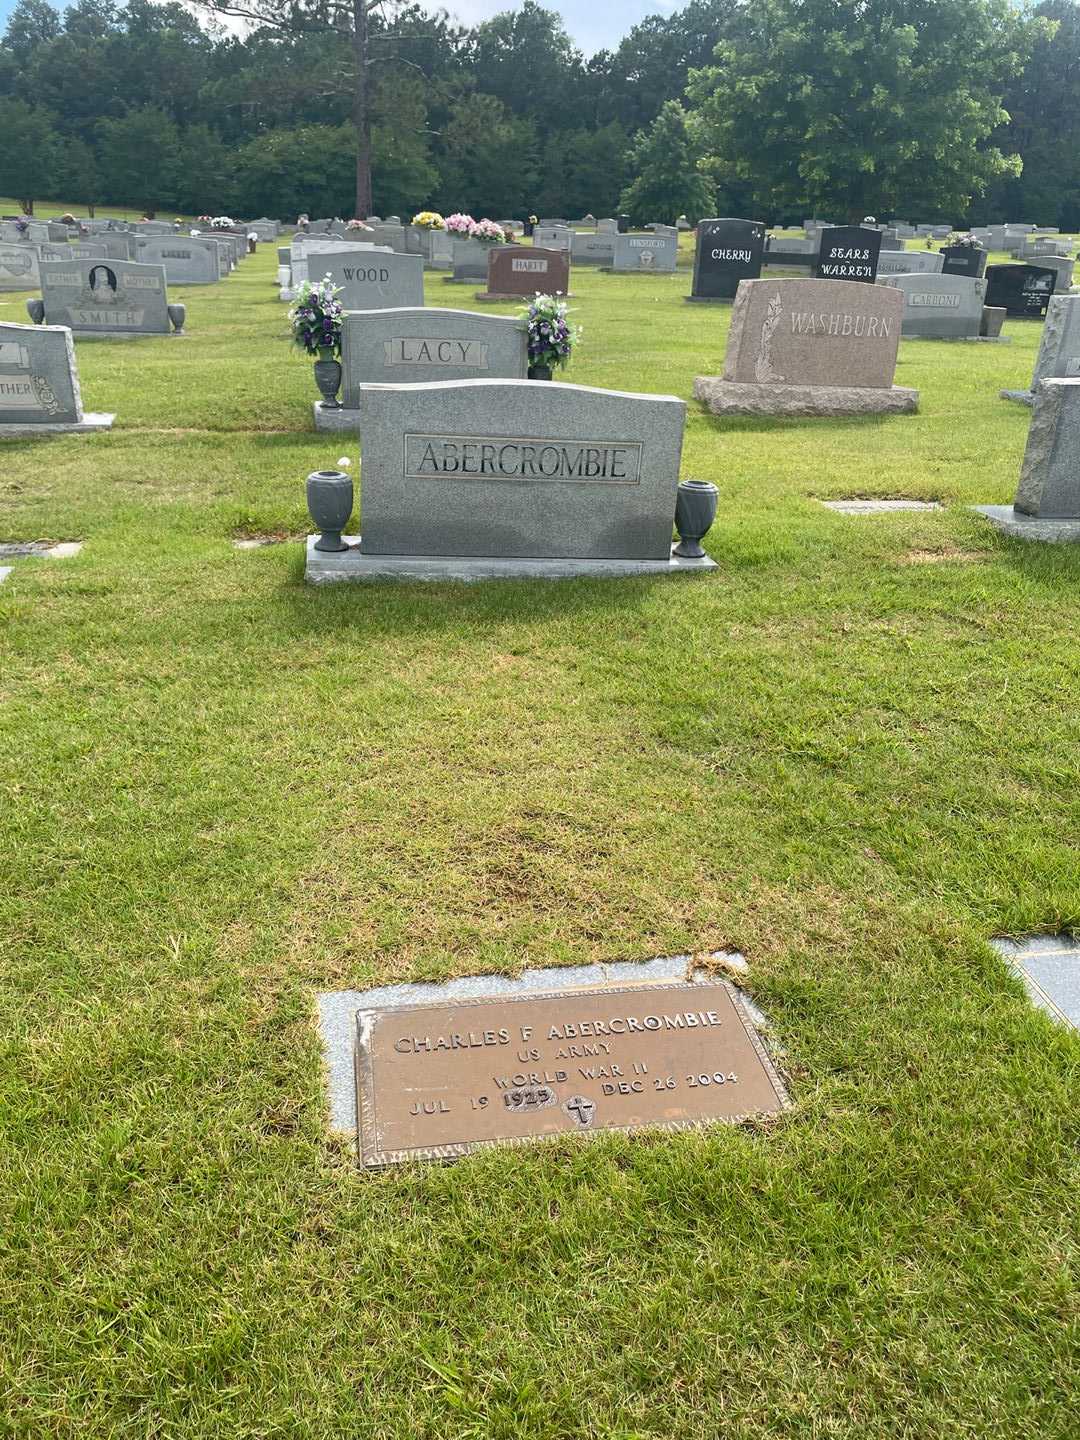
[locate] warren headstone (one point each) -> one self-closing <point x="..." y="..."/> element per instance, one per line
<point x="810" y="347"/>
<point x="848" y="252"/>
<point x="102" y="297"/>
<point x="39" y="383"/>
<point x="520" y="271"/>
<point x="727" y="251"/>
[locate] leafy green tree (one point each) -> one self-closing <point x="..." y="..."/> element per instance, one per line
<point x="286" y="172"/>
<point x="78" y="180"/>
<point x="584" y="171"/>
<point x="526" y="59"/>
<point x="140" y="155"/>
<point x="489" y="159"/>
<point x="29" y="152"/>
<point x="833" y="107"/>
<point x="665" y="161"/>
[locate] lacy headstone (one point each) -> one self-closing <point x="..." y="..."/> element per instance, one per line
<point x="39" y="383"/>
<point x="810" y="347"/>
<point x="848" y="252"/>
<point x="418" y="344"/>
<point x="727" y="251"/>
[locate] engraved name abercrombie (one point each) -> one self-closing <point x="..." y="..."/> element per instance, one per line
<point x="870" y="327"/>
<point x="423" y="350"/>
<point x="522" y="460"/>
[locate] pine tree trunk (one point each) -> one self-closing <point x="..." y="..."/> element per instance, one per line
<point x="362" y="109"/>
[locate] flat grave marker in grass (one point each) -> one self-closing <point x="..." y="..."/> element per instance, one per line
<point x="1049" y="966"/>
<point x="435" y="1081"/>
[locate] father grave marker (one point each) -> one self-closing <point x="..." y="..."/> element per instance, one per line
<point x="727" y="251"/>
<point x="39" y="384"/>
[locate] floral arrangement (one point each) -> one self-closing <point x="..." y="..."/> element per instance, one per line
<point x="488" y="233"/>
<point x="357" y="225"/>
<point x="67" y="219"/>
<point x="429" y="220"/>
<point x="221" y="222"/>
<point x="22" y="224"/>
<point x="551" y="339"/>
<point x="460" y="225"/>
<point x="316" y="317"/>
<point x="964" y="242"/>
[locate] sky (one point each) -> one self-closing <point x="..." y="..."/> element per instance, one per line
<point x="593" y="24"/>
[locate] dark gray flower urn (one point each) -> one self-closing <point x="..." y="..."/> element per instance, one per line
<point x="328" y="379"/>
<point x="330" y="503"/>
<point x="177" y="315"/>
<point x="36" y="310"/>
<point x="695" y="511"/>
<point x="539" y="372"/>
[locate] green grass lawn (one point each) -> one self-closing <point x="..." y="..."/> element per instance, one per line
<point x="850" y="752"/>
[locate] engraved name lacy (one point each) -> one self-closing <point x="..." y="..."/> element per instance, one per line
<point x="475" y="457"/>
<point x="425" y="350"/>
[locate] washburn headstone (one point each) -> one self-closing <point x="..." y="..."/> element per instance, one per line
<point x="810" y="347"/>
<point x="375" y="279"/>
<point x="1059" y="349"/>
<point x="101" y="297"/>
<point x="18" y="266"/>
<point x="416" y="345"/>
<point x="940" y="307"/>
<point x="39" y="383"/>
<point x="1020" y="290"/>
<point x="727" y="251"/>
<point x="848" y="252"/>
<point x="647" y="254"/>
<point x="523" y="271"/>
<point x="472" y="478"/>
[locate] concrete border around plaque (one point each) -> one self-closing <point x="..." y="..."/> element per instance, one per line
<point x="325" y="567"/>
<point x="338" y="1009"/>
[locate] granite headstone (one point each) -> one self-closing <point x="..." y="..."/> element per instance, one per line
<point x="727" y="251"/>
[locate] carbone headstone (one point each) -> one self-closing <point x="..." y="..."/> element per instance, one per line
<point x="513" y="468"/>
<point x="848" y="252"/>
<point x="940" y="307"/>
<point x="375" y="279"/>
<point x="103" y="296"/>
<point x="410" y="345"/>
<point x="727" y="251"/>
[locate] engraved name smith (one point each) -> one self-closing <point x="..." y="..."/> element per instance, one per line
<point x="475" y="457"/>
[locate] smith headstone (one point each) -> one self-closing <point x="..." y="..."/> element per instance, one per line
<point x="101" y="297"/>
<point x="727" y="251"/>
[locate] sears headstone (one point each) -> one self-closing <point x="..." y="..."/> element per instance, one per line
<point x="848" y="252"/>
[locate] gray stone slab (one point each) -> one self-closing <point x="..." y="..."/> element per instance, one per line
<point x="1059" y="347"/>
<point x="1021" y="397"/>
<point x="726" y="397"/>
<point x="416" y="344"/>
<point x="470" y="260"/>
<point x="186" y="260"/>
<point x="879" y="507"/>
<point x="39" y="381"/>
<point x="18" y="266"/>
<point x="1049" y="966"/>
<point x="1050" y="476"/>
<point x="1019" y="526"/>
<point x="329" y="568"/>
<point x="101" y="296"/>
<point x="586" y="249"/>
<point x="90" y="424"/>
<point x="939" y="307"/>
<point x="519" y="469"/>
<point x="377" y="280"/>
<point x="655" y="254"/>
<point x="5" y="571"/>
<point x="337" y="1009"/>
<point x="909" y="262"/>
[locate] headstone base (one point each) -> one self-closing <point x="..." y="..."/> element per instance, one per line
<point x="964" y="339"/>
<point x="88" y="425"/>
<point x="1022" y="397"/>
<point x="1019" y="526"/>
<point x="129" y="334"/>
<point x="487" y="297"/>
<point x="333" y="422"/>
<point x="730" y="397"/>
<point x="325" y="567"/>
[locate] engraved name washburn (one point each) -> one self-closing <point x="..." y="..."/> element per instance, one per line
<point x="522" y="460"/>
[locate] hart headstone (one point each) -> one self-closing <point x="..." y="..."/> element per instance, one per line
<point x="418" y="345"/>
<point x="1020" y="290"/>
<point x="940" y="307"/>
<point x="810" y="347"/>
<point x="376" y="279"/>
<point x="519" y="271"/>
<point x="472" y="478"/>
<point x="107" y="297"/>
<point x="848" y="252"/>
<point x="39" y="383"/>
<point x="727" y="251"/>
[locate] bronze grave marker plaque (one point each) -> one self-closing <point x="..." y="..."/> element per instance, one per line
<point x="435" y="1081"/>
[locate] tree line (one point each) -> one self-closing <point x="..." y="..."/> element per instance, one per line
<point x="957" y="110"/>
